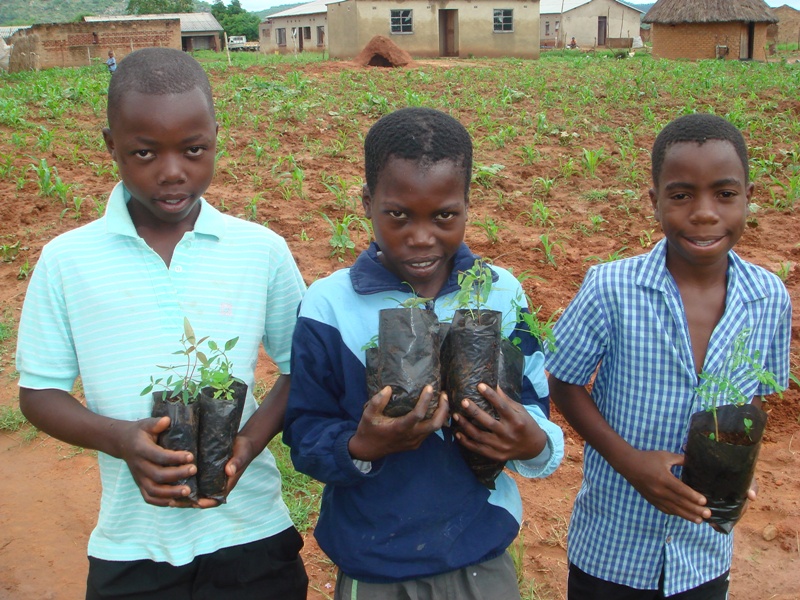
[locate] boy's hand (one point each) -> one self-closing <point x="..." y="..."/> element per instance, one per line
<point x="154" y="469"/>
<point x="649" y="473"/>
<point x="378" y="435"/>
<point x="515" y="436"/>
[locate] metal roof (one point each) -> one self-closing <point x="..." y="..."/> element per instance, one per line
<point x="7" y="32"/>
<point x="549" y="7"/>
<point x="310" y="8"/>
<point x="190" y="22"/>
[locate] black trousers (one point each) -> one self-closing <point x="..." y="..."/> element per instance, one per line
<point x="269" y="569"/>
<point x="582" y="586"/>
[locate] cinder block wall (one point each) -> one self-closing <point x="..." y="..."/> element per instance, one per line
<point x="79" y="44"/>
<point x="699" y="41"/>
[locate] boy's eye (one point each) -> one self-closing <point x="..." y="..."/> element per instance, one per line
<point x="195" y="150"/>
<point x="396" y="214"/>
<point x="446" y="216"/>
<point x="142" y="153"/>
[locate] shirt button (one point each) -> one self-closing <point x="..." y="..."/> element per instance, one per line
<point x="179" y="269"/>
<point x="669" y="539"/>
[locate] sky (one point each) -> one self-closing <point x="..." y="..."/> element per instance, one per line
<point x="255" y="5"/>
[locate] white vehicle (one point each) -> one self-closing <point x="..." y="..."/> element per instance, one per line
<point x="238" y="43"/>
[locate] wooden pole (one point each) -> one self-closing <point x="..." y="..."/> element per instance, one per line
<point x="227" y="50"/>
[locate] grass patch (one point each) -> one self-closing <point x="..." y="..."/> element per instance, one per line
<point x="300" y="492"/>
<point x="13" y="421"/>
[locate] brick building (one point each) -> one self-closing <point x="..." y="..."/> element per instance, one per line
<point x="77" y="44"/>
<point x="787" y="30"/>
<point x="701" y="29"/>
<point x="199" y="31"/>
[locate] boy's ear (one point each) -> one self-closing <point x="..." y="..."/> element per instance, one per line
<point x="109" y="140"/>
<point x="749" y="193"/>
<point x="366" y="201"/>
<point x="654" y="202"/>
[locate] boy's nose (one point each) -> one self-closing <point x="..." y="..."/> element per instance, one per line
<point x="705" y="209"/>
<point x="171" y="171"/>
<point x="421" y="236"/>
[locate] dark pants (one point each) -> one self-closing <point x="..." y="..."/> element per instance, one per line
<point x="269" y="569"/>
<point x="582" y="586"/>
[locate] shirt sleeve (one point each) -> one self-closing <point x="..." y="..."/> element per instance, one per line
<point x="581" y="336"/>
<point x="46" y="356"/>
<point x="318" y="427"/>
<point x="286" y="289"/>
<point x="777" y="359"/>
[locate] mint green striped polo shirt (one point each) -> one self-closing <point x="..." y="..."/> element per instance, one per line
<point x="103" y="305"/>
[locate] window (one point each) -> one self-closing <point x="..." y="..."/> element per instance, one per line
<point x="547" y="27"/>
<point x="306" y="33"/>
<point x="503" y="19"/>
<point x="280" y="36"/>
<point x="401" y="21"/>
<point x="320" y="35"/>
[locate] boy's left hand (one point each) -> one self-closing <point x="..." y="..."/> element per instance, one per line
<point x="515" y="436"/>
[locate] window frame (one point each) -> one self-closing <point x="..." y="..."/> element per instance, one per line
<point x="280" y="37"/>
<point x="503" y="20"/>
<point x="396" y="24"/>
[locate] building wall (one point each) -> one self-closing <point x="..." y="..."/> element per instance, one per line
<point x="700" y="40"/>
<point x="353" y="23"/>
<point x="788" y="26"/>
<point x="79" y="44"/>
<point x="582" y="23"/>
<point x="268" y="33"/>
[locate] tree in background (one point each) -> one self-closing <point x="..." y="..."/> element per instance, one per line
<point x="157" y="7"/>
<point x="235" y="20"/>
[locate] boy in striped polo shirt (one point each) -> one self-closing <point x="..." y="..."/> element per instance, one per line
<point x="107" y="303"/>
<point x="652" y="323"/>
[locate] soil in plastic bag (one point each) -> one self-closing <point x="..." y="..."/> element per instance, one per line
<point x="219" y="424"/>
<point x="182" y="434"/>
<point x="408" y="357"/>
<point x="471" y="355"/>
<point x="722" y="471"/>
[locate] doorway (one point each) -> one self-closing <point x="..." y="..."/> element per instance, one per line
<point x="602" y="27"/>
<point x="746" y="41"/>
<point x="448" y="32"/>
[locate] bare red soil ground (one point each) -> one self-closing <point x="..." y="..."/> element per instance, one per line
<point x="50" y="491"/>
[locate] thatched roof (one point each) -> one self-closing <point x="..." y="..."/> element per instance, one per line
<point x="674" y="12"/>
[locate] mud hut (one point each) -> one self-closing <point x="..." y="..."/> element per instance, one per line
<point x="700" y="29"/>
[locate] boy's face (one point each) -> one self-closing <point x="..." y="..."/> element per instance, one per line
<point x="701" y="201"/>
<point x="419" y="216"/>
<point x="164" y="146"/>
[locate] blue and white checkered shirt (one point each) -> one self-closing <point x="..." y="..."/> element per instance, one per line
<point x="628" y="317"/>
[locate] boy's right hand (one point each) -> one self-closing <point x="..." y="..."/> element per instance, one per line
<point x="154" y="468"/>
<point x="378" y="435"/>
<point x="649" y="472"/>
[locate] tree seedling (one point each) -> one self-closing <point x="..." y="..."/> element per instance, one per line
<point x="739" y="367"/>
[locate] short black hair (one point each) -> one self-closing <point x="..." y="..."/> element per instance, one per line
<point x="157" y="71"/>
<point x="698" y="128"/>
<point x="420" y="134"/>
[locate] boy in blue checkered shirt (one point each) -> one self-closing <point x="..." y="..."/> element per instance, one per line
<point x="652" y="323"/>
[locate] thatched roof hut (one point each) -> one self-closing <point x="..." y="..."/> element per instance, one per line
<point x="701" y="29"/>
<point x="675" y="12"/>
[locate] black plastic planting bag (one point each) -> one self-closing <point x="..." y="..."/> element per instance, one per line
<point x="407" y="359"/>
<point x="184" y="420"/>
<point x="471" y="355"/>
<point x="219" y="424"/>
<point x="408" y="342"/>
<point x="722" y="471"/>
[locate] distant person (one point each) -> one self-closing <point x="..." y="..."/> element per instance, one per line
<point x="107" y="302"/>
<point x="573" y="44"/>
<point x="642" y="329"/>
<point x="111" y="63"/>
